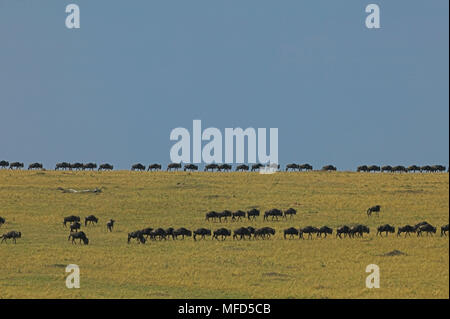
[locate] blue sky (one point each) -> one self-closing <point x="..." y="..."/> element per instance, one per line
<point x="113" y="90"/>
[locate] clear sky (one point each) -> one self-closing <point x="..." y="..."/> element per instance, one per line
<point x="113" y="90"/>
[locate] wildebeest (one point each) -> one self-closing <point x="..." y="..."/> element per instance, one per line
<point x="11" y="235"/>
<point x="386" y="168"/>
<point x="256" y="167"/>
<point x="190" y="167"/>
<point x="328" y="168"/>
<point x="89" y="166"/>
<point x="174" y="166"/>
<point x="362" y="168"/>
<point x="374" y="168"/>
<point x="78" y="235"/>
<point x="444" y="230"/>
<point x="147" y="232"/>
<point x="2" y="221"/>
<point x="201" y="232"/>
<point x="374" y="209"/>
<point x="413" y="168"/>
<point x="429" y="229"/>
<point x="138" y="235"/>
<point x="344" y="230"/>
<point x="292" y="167"/>
<point x="225" y="214"/>
<point x="240" y="233"/>
<point x="4" y="164"/>
<point x="274" y="213"/>
<point x="71" y="219"/>
<point x="225" y="167"/>
<point x="310" y="230"/>
<point x="170" y="232"/>
<point x="110" y="225"/>
<point x="211" y="167"/>
<point x="400" y="169"/>
<point x="222" y="232"/>
<point x="158" y="233"/>
<point x="264" y="233"/>
<point x="306" y="167"/>
<point x="75" y="226"/>
<point x="76" y="166"/>
<point x="35" y="166"/>
<point x="291" y="232"/>
<point x="408" y="229"/>
<point x="154" y="167"/>
<point x="417" y="226"/>
<point x="252" y="213"/>
<point x="105" y="167"/>
<point x="63" y="166"/>
<point x="242" y="167"/>
<point x="385" y="229"/>
<point x="359" y="231"/>
<point x="324" y="230"/>
<point x="425" y="168"/>
<point x="138" y="167"/>
<point x="16" y="165"/>
<point x="289" y="212"/>
<point x="91" y="219"/>
<point x="212" y="215"/>
<point x="181" y="232"/>
<point x="238" y="215"/>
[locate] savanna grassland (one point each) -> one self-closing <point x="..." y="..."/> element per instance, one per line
<point x="276" y="268"/>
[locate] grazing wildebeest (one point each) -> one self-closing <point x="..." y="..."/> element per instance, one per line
<point x="181" y="232"/>
<point x="264" y="233"/>
<point x="158" y="233"/>
<point x="190" y="167"/>
<point x="222" y="232"/>
<point x="35" y="166"/>
<point x="425" y="168"/>
<point x="426" y="229"/>
<point x="76" y="166"/>
<point x="328" y="168"/>
<point x="225" y="214"/>
<point x="63" y="166"/>
<point x="11" y="235"/>
<point x="242" y="167"/>
<point x="413" y="168"/>
<point x="310" y="230"/>
<point x="444" y="230"/>
<point x="154" y="167"/>
<point x="211" y="167"/>
<point x="212" y="215"/>
<point x="202" y="232"/>
<point x="274" y="213"/>
<point x="225" y="168"/>
<point x="138" y="235"/>
<point x="373" y="209"/>
<point x="408" y="229"/>
<point x="252" y="213"/>
<point x="437" y="168"/>
<point x="386" y="168"/>
<point x="91" y="219"/>
<point x="2" y="221"/>
<point x="374" y="168"/>
<point x="343" y="230"/>
<point x="256" y="167"/>
<point x="78" y="235"/>
<point x="289" y="212"/>
<point x="240" y="233"/>
<point x="292" y="167"/>
<point x="147" y="232"/>
<point x="170" y="232"/>
<point x="174" y="166"/>
<point x="238" y="215"/>
<point x="385" y="229"/>
<point x="363" y="168"/>
<point x="291" y="232"/>
<point x="75" y="226"/>
<point x="399" y="168"/>
<point x="306" y="167"/>
<point x="71" y="219"/>
<point x="138" y="167"/>
<point x="105" y="167"/>
<point x="359" y="231"/>
<point x="4" y="164"/>
<point x="16" y="165"/>
<point x="324" y="230"/>
<point x="110" y="225"/>
<point x="89" y="166"/>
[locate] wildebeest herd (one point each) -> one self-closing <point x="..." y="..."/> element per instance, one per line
<point x="224" y="167"/>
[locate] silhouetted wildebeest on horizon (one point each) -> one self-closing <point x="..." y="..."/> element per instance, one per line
<point x="4" y="164"/>
<point x="16" y="165"/>
<point x="386" y="168"/>
<point x="413" y="168"/>
<point x="63" y="166"/>
<point x="328" y="168"/>
<point x="242" y="167"/>
<point x="138" y="235"/>
<point x="274" y="213"/>
<point x="2" y="221"/>
<point x="429" y="229"/>
<point x="222" y="232"/>
<point x="138" y="167"/>
<point x="201" y="232"/>
<point x="374" y="168"/>
<point x="11" y="235"/>
<point x="359" y="231"/>
<point x="211" y="167"/>
<point x="76" y="166"/>
<point x="291" y="231"/>
<point x="373" y="209"/>
<point x="344" y="230"/>
<point x="241" y="233"/>
<point x="174" y="166"/>
<point x="444" y="230"/>
<point x="252" y="214"/>
<point x="385" y="229"/>
<point x="35" y="166"/>
<point x="212" y="215"/>
<point x="408" y="229"/>
<point x="289" y="212"/>
<point x="79" y="235"/>
<point x="310" y="230"/>
<point x="399" y="169"/>
<point x="181" y="232"/>
<point x="71" y="219"/>
<point x="238" y="215"/>
<point x="362" y="168"/>
<point x="324" y="230"/>
<point x="292" y="167"/>
<point x="190" y="167"/>
<point x="154" y="167"/>
<point x="75" y="226"/>
<point x="256" y="167"/>
<point x="110" y="225"/>
<point x="89" y="166"/>
<point x="306" y="167"/>
<point x="91" y="219"/>
<point x="264" y="233"/>
<point x="425" y="168"/>
<point x="105" y="167"/>
<point x="225" y="168"/>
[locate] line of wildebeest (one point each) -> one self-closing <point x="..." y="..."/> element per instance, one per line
<point x="224" y="167"/>
<point x="143" y="235"/>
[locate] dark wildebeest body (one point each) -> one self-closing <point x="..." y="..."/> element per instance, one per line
<point x="240" y="233"/>
<point x="222" y="232"/>
<point x="238" y="215"/>
<point x="444" y="230"/>
<point x="35" y="166"/>
<point x="76" y="166"/>
<point x="11" y="235"/>
<point x="71" y="219"/>
<point x="408" y="229"/>
<point x="400" y="169"/>
<point x="274" y="213"/>
<point x="386" y="168"/>
<point x="79" y="235"/>
<point x="306" y="167"/>
<point x="147" y="232"/>
<point x="2" y="221"/>
<point x="16" y="165"/>
<point x="138" y="235"/>
<point x="345" y="230"/>
<point x="202" y="232"/>
<point x="105" y="167"/>
<point x="190" y="167"/>
<point x="374" y="209"/>
<point x="110" y="225"/>
<point x="174" y="166"/>
<point x="413" y="168"/>
<point x="225" y="214"/>
<point x="138" y="167"/>
<point x="91" y="219"/>
<point x="417" y="226"/>
<point x="429" y="229"/>
<point x="291" y="232"/>
<point x="256" y="167"/>
<point x="89" y="166"/>
<point x="290" y="212"/>
<point x="374" y="168"/>
<point x="310" y="230"/>
<point x="385" y="229"/>
<point x="75" y="226"/>
<point x="359" y="231"/>
<point x="225" y="167"/>
<point x="328" y="168"/>
<point x="362" y="168"/>
<point x="4" y="164"/>
<point x="156" y="167"/>
<point x="324" y="230"/>
<point x="242" y="167"/>
<point x="158" y="233"/>
<point x="63" y="166"/>
<point x="170" y="232"/>
<point x="292" y="167"/>
<point x="181" y="232"/>
<point x="264" y="233"/>
<point x="252" y="213"/>
<point x="212" y="215"/>
<point x="211" y="167"/>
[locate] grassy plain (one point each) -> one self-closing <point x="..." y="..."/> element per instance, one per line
<point x="277" y="268"/>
